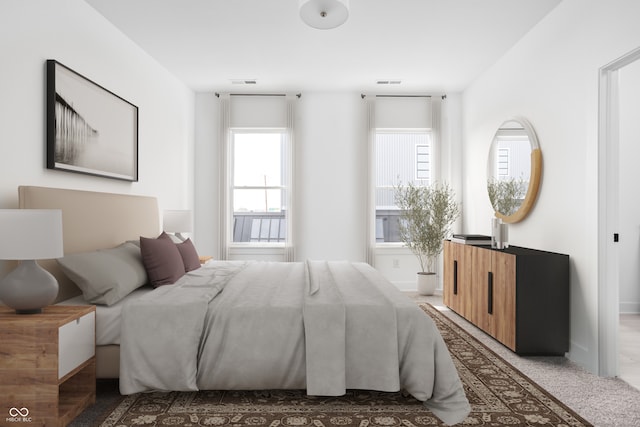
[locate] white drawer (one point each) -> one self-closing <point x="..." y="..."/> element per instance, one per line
<point x="76" y="343"/>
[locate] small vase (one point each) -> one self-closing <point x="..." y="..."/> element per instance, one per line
<point x="499" y="234"/>
<point x="495" y="232"/>
<point x="427" y="283"/>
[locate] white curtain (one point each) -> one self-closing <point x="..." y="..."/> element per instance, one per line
<point x="436" y="135"/>
<point x="289" y="250"/>
<point x="370" y="214"/>
<point x="224" y="179"/>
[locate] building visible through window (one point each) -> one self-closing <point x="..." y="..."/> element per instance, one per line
<point x="401" y="157"/>
<point x="503" y="162"/>
<point x="423" y="162"/>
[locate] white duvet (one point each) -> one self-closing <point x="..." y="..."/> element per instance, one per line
<point x="321" y="326"/>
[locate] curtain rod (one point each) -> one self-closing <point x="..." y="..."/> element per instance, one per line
<point x="299" y="95"/>
<point x="363" y="96"/>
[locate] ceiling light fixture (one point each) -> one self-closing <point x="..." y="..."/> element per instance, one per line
<point x="324" y="14"/>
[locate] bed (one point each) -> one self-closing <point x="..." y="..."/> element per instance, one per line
<point x="323" y="326"/>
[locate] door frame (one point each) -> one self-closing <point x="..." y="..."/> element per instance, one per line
<point x="608" y="207"/>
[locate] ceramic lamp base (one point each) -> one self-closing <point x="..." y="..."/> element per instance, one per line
<point x="28" y="288"/>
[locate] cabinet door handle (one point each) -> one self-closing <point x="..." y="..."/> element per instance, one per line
<point x="490" y="292"/>
<point x="455" y="277"/>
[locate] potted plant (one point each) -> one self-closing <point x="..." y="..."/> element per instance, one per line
<point x="427" y="214"/>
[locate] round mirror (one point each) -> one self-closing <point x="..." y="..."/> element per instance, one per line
<point x="514" y="170"/>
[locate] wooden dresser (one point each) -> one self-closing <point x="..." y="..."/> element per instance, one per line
<point x="517" y="295"/>
<point x="47" y="365"/>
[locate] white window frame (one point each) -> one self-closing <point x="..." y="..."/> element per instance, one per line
<point x="286" y="163"/>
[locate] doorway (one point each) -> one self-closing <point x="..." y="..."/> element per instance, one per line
<point x="619" y="228"/>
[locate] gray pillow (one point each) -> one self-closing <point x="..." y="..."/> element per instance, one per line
<point x="106" y="276"/>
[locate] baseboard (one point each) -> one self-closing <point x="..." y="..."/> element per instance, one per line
<point x="410" y="286"/>
<point x="580" y="355"/>
<point x="629" y="307"/>
<point x="406" y="286"/>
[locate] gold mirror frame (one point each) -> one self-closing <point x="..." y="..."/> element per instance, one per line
<point x="534" y="176"/>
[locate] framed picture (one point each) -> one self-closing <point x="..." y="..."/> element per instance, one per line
<point x="90" y="129"/>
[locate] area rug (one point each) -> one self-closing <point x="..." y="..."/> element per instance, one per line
<point x="499" y="395"/>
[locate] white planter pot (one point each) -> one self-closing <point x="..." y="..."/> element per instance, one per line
<point x="427" y="283"/>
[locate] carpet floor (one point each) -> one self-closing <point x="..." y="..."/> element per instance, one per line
<point x="499" y="394"/>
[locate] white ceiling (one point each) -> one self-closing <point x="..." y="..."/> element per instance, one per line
<point x="431" y="45"/>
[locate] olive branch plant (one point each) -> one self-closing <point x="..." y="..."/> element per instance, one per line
<point x="427" y="214"/>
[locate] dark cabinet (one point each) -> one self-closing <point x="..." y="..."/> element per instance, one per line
<point x="517" y="295"/>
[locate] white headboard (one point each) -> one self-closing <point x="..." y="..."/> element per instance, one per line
<point x="92" y="220"/>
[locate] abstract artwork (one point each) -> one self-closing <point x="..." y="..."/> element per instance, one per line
<point x="90" y="130"/>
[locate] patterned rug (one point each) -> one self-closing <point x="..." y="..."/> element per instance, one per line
<point x="499" y="395"/>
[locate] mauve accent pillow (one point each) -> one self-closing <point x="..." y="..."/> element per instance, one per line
<point x="106" y="276"/>
<point x="162" y="260"/>
<point x="190" y="256"/>
<point x="165" y="236"/>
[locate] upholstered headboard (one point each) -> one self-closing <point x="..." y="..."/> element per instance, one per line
<point x="92" y="220"/>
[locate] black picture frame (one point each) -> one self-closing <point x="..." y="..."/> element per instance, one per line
<point x="90" y="130"/>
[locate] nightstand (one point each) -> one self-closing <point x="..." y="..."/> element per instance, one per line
<point x="47" y="365"/>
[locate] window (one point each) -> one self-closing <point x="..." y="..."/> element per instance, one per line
<point x="257" y="149"/>
<point x="403" y="146"/>
<point x="401" y="156"/>
<point x="259" y="159"/>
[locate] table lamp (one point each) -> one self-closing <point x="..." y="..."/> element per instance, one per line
<point x="27" y="235"/>
<point x="177" y="222"/>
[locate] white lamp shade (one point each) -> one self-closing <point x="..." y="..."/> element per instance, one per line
<point x="29" y="234"/>
<point x="324" y="14"/>
<point x="178" y="221"/>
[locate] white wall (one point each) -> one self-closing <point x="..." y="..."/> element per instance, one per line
<point x="332" y="176"/>
<point x="629" y="220"/>
<point x="73" y="33"/>
<point x="551" y="78"/>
